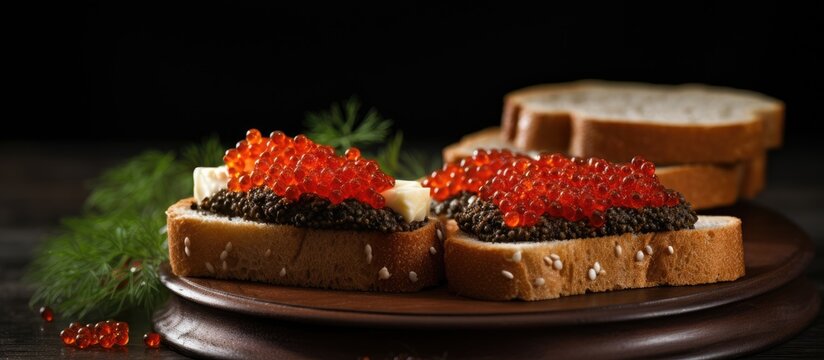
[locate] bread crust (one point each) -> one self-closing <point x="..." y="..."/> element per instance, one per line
<point x="665" y="144"/>
<point x="703" y="185"/>
<point x="528" y="271"/>
<point x="532" y="128"/>
<point x="755" y="176"/>
<point x="543" y="131"/>
<point x="288" y="255"/>
<point x="489" y="138"/>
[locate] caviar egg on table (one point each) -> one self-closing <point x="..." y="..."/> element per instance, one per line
<point x="152" y="340"/>
<point x="47" y="314"/>
<point x="106" y="334"/>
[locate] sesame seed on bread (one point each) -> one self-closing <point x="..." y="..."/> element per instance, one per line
<point x="209" y="245"/>
<point x="711" y="252"/>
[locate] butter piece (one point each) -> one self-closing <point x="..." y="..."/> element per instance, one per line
<point x="209" y="180"/>
<point x="409" y="199"/>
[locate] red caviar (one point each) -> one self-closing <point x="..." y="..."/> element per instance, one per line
<point x="122" y="338"/>
<point x="68" y="336"/>
<point x="47" y="314"/>
<point x="104" y="333"/>
<point x="525" y="188"/>
<point x="152" y="340"/>
<point x="106" y="341"/>
<point x="103" y="328"/>
<point x="291" y="167"/>
<point x="82" y="341"/>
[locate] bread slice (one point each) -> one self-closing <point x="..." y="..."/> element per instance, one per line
<point x="666" y="124"/>
<point x="711" y="252"/>
<point x="703" y="185"/>
<point x="215" y="246"/>
<point x="754" y="175"/>
<point x="489" y="138"/>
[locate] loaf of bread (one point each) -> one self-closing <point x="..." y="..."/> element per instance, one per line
<point x="711" y="252"/>
<point x="666" y="124"/>
<point x="208" y="245"/>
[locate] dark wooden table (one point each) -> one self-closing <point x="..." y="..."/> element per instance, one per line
<point x="43" y="182"/>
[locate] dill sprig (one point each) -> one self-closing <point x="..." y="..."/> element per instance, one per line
<point x="417" y="164"/>
<point x="345" y="125"/>
<point x="106" y="260"/>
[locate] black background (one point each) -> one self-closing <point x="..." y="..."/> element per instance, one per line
<point x="156" y="73"/>
<point x="89" y="84"/>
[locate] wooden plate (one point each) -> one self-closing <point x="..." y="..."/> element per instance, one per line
<point x="776" y="251"/>
<point x="734" y="329"/>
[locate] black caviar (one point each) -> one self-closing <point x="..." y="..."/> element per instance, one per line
<point x="310" y="211"/>
<point x="452" y="206"/>
<point x="484" y="220"/>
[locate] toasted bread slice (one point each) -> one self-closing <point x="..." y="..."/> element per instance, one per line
<point x="666" y="124"/>
<point x="703" y="185"/>
<point x="208" y="245"/>
<point x="711" y="252"/>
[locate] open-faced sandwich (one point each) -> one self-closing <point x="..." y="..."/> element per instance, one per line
<point x="547" y="226"/>
<point x="288" y="211"/>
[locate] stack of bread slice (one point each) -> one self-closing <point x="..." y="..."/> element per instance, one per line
<point x="709" y="142"/>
